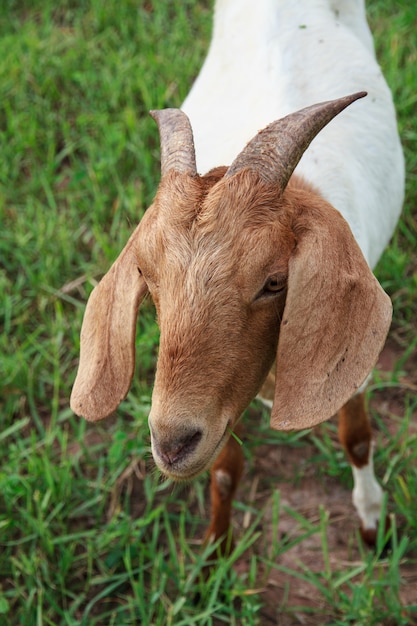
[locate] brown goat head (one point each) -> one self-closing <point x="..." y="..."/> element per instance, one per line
<point x="244" y="269"/>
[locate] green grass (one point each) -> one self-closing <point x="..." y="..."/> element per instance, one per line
<point x="88" y="533"/>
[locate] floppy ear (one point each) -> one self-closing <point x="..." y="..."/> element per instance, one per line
<point x="107" y="351"/>
<point x="334" y="325"/>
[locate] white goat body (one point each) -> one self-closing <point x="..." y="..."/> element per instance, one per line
<point x="272" y="57"/>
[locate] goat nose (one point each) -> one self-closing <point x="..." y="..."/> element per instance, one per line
<point x="173" y="450"/>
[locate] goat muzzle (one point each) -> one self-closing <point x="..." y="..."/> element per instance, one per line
<point x="184" y="451"/>
<point x="174" y="452"/>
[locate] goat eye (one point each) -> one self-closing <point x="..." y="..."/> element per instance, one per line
<point x="273" y="286"/>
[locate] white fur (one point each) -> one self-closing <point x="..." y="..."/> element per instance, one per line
<point x="367" y="494"/>
<point x="224" y="482"/>
<point x="272" y="57"/>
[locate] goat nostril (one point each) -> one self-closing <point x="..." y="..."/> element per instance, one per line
<point x="176" y="450"/>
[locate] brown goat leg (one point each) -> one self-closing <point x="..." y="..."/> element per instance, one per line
<point x="355" y="435"/>
<point x="225" y="476"/>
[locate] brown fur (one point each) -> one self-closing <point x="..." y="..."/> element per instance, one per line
<point x="226" y="473"/>
<point x="355" y="432"/>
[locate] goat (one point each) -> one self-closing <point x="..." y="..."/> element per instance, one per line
<point x="260" y="275"/>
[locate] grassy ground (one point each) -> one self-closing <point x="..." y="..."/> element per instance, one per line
<point x="88" y="534"/>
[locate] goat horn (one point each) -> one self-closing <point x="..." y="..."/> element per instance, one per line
<point x="177" y="142"/>
<point x="276" y="150"/>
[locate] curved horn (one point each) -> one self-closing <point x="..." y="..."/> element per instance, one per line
<point x="276" y="150"/>
<point x="177" y="142"/>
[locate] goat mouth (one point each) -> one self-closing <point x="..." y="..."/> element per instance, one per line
<point x="185" y="470"/>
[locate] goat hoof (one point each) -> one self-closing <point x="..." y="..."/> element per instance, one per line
<point x="370" y="535"/>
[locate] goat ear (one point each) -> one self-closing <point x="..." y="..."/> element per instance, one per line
<point x="334" y="325"/>
<point x="107" y="351"/>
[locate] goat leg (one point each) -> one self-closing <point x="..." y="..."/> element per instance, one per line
<point x="226" y="473"/>
<point x="355" y="435"/>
